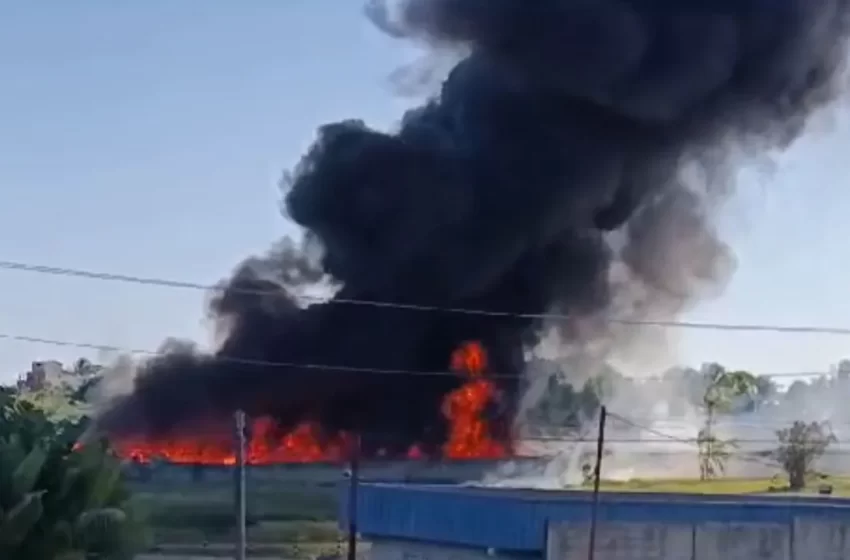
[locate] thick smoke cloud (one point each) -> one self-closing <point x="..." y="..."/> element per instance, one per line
<point x="572" y="161"/>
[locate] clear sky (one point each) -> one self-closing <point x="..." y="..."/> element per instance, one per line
<point x="147" y="138"/>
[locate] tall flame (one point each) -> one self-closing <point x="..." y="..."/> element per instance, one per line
<point x="469" y="435"/>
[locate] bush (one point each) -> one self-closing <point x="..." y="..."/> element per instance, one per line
<point x="58" y="502"/>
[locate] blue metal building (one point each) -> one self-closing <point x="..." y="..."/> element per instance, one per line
<point x="514" y="522"/>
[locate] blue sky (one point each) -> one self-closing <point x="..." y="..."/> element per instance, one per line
<point x="147" y="138"/>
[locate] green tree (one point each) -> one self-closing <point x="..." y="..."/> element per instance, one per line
<point x="563" y="406"/>
<point x="766" y="390"/>
<point x="800" y="445"/>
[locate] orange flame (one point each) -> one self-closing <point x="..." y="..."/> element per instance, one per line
<point x="469" y="434"/>
<point x="304" y="444"/>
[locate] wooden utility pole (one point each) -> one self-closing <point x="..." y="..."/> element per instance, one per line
<point x="353" y="482"/>
<point x="239" y="487"/>
<point x="597" y="477"/>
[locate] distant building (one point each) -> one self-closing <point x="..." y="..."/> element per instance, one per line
<point x="41" y="375"/>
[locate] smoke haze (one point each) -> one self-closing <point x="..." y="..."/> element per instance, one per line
<point x="573" y="161"/>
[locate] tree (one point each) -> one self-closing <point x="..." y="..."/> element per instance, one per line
<point x="722" y="390"/>
<point x="713" y="453"/>
<point x="800" y="446"/>
<point x="563" y="406"/>
<point x="766" y="390"/>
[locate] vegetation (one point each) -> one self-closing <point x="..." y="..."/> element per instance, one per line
<point x="566" y="407"/>
<point x="57" y="502"/>
<point x="722" y="390"/>
<point x="727" y="485"/>
<point x="799" y="447"/>
<point x="46" y="420"/>
<point x="285" y="519"/>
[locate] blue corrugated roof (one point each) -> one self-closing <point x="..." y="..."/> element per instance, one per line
<point x="516" y="519"/>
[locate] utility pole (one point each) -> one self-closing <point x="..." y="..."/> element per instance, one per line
<point x="597" y="477"/>
<point x="353" y="482"/>
<point x="239" y="486"/>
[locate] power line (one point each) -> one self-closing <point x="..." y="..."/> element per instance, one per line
<point x="169" y="283"/>
<point x="739" y="454"/>
<point x="294" y="365"/>
<point x="235" y="359"/>
<point x="666" y="439"/>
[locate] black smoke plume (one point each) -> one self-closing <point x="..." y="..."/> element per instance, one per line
<point x="576" y="153"/>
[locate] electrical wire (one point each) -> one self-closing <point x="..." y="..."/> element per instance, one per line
<point x="738" y="454"/>
<point x="670" y="439"/>
<point x="292" y="365"/>
<point x="663" y="437"/>
<point x="236" y="359"/>
<point x="164" y="282"/>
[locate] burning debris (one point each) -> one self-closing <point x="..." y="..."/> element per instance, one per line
<point x="572" y="161"/>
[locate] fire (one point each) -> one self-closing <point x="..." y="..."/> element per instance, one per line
<point x="469" y="436"/>
<point x="265" y="446"/>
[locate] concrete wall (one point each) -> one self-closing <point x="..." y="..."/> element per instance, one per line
<point x="804" y="539"/>
<point x="620" y="541"/>
<point x="830" y="539"/>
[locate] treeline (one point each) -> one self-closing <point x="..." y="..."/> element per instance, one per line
<point x="570" y="398"/>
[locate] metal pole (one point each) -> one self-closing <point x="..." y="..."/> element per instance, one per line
<point x="239" y="487"/>
<point x="353" y="482"/>
<point x="597" y="477"/>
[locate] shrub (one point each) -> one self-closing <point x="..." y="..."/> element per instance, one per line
<point x="59" y="502"/>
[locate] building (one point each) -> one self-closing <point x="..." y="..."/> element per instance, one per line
<point x="41" y="375"/>
<point x="420" y="522"/>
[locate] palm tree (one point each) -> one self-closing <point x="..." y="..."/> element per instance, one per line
<point x="722" y="389"/>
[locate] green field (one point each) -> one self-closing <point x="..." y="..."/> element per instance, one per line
<point x="283" y="519"/>
<point x="840" y="486"/>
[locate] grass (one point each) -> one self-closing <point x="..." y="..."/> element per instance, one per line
<point x="840" y="485"/>
<point x="281" y="516"/>
<point x="206" y="504"/>
<point x="279" y="550"/>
